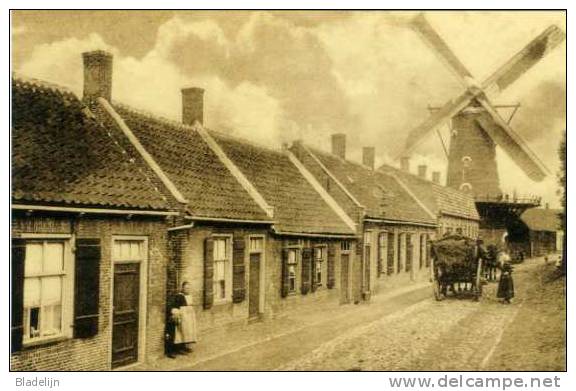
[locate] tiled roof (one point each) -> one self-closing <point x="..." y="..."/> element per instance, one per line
<point x="439" y="199"/>
<point x="61" y="155"/>
<point x="298" y="208"/>
<point x="539" y="219"/>
<point x="381" y="194"/>
<point x="195" y="170"/>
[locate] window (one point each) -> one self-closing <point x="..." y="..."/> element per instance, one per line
<point x="256" y="244"/>
<point x="319" y="253"/>
<point x="367" y="237"/>
<point x="45" y="289"/>
<point x="459" y="231"/>
<point x="292" y="262"/>
<point x="221" y="268"/>
<point x="466" y="187"/>
<point x="382" y="251"/>
<point x="345" y="245"/>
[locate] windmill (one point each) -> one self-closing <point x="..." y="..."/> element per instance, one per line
<point x="477" y="127"/>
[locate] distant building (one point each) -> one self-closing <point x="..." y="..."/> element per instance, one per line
<point x="538" y="232"/>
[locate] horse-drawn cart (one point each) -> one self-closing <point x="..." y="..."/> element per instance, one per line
<point x="456" y="263"/>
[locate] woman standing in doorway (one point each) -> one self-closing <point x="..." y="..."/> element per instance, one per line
<point x="182" y="332"/>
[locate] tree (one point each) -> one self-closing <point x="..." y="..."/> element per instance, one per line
<point x="562" y="194"/>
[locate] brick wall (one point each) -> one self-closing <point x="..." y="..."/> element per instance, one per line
<point x="187" y="249"/>
<point x="95" y="353"/>
<point x="400" y="276"/>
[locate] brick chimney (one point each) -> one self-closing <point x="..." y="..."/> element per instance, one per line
<point x="339" y="145"/>
<point x="97" y="75"/>
<point x="368" y="157"/>
<point x="405" y="163"/>
<point x="192" y="105"/>
<point x="422" y="171"/>
<point x="436" y="177"/>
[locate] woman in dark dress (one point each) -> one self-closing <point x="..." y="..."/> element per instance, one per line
<point x="506" y="284"/>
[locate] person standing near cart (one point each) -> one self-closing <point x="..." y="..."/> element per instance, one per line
<point x="506" y="284"/>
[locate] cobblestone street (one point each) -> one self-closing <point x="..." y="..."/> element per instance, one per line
<point x="456" y="334"/>
<point x="412" y="331"/>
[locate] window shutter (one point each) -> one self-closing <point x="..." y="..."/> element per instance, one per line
<point x="313" y="282"/>
<point x="238" y="274"/>
<point x="306" y="270"/>
<point x="208" y="273"/>
<point x="285" y="283"/>
<point x="379" y="255"/>
<point x="17" y="326"/>
<point x="390" y="261"/>
<point x="408" y="252"/>
<point x="331" y="278"/>
<point x="367" y="262"/>
<point x="86" y="287"/>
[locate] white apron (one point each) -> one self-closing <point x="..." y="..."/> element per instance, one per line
<point x="186" y="329"/>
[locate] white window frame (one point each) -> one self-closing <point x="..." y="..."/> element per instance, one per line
<point x="297" y="253"/>
<point x="67" y="302"/>
<point x="320" y="265"/>
<point x="262" y="277"/>
<point x="143" y="294"/>
<point x="227" y="270"/>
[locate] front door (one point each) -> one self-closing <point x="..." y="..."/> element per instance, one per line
<point x="344" y="272"/>
<point x="254" y="286"/>
<point x="125" y="313"/>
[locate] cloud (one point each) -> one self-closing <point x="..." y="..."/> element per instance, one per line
<point x="275" y="76"/>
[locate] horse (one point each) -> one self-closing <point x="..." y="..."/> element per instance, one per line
<point x="490" y="262"/>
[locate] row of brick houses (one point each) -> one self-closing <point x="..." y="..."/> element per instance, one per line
<point x="113" y="208"/>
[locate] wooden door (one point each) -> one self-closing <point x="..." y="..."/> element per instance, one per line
<point x="344" y="273"/>
<point x="125" y="314"/>
<point x="254" y="286"/>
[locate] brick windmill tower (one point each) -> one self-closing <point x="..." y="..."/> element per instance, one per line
<point x="477" y="128"/>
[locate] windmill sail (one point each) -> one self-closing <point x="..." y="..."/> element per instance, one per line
<point x="440" y="48"/>
<point x="503" y="135"/>
<point x="440" y="117"/>
<point x="525" y="59"/>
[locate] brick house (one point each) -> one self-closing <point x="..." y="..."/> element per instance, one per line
<point x="257" y="235"/>
<point x="89" y="223"/>
<point x="455" y="210"/>
<point x="394" y="224"/>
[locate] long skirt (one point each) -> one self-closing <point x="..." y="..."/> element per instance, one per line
<point x="505" y="287"/>
<point x="186" y="331"/>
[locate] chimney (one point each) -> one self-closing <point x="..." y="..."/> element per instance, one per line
<point x="97" y="75"/>
<point x="368" y="157"/>
<point x="436" y="177"/>
<point x="339" y="145"/>
<point x="422" y="171"/>
<point x="405" y="163"/>
<point x="192" y="105"/>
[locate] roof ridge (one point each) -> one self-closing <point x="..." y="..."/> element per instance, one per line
<point x="17" y="77"/>
<point x="183" y="126"/>
<point x="244" y="140"/>
<point x="152" y="116"/>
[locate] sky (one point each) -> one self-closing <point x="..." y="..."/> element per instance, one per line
<point x="277" y="76"/>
